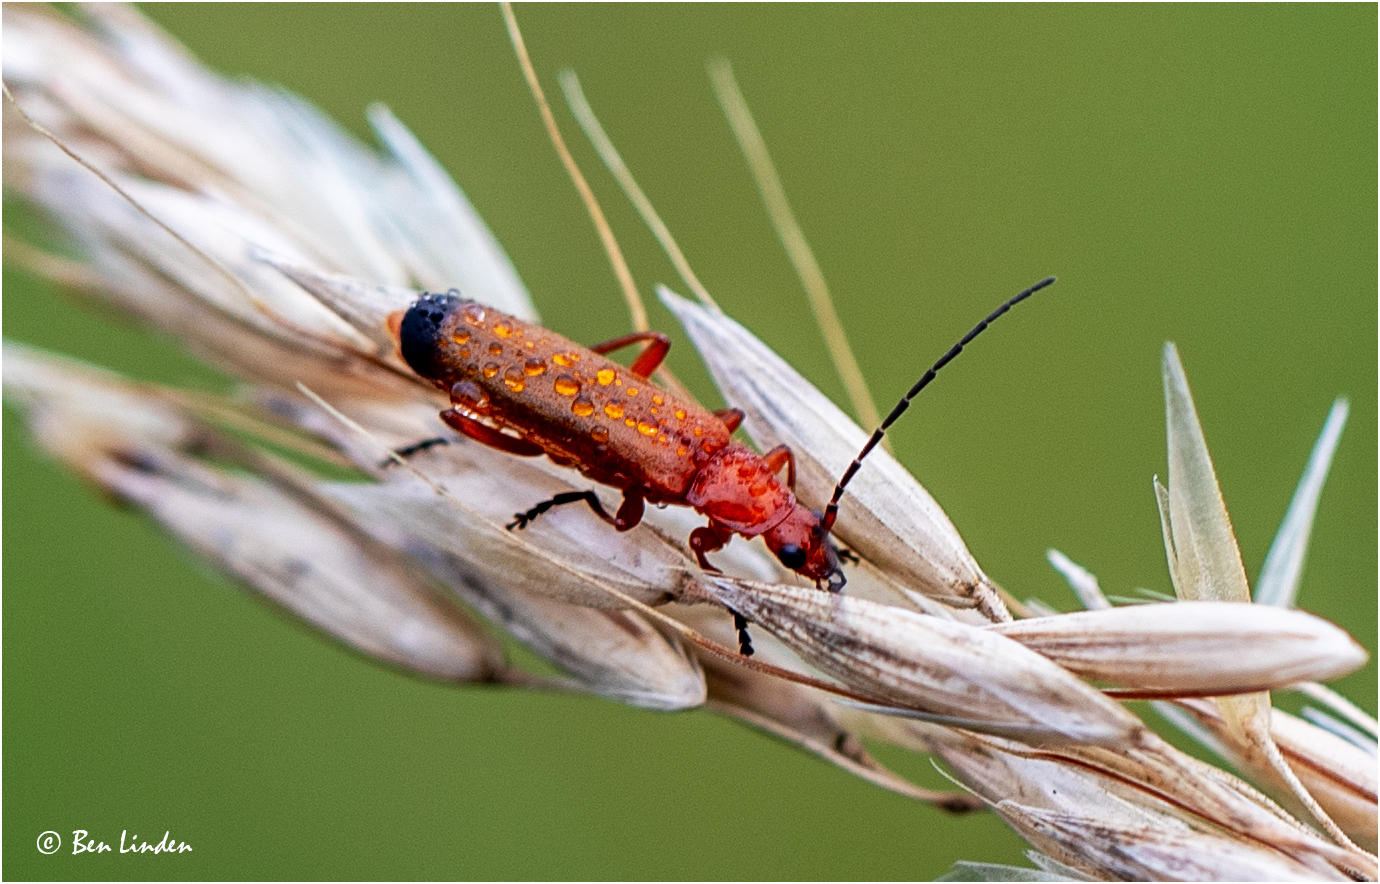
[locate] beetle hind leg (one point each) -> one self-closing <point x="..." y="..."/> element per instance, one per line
<point x="489" y="436"/>
<point x="408" y="451"/>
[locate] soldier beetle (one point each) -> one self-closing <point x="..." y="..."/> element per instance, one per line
<point x="526" y="390"/>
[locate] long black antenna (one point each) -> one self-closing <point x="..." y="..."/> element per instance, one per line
<point x="831" y="512"/>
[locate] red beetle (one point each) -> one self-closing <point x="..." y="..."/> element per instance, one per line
<point x="581" y="409"/>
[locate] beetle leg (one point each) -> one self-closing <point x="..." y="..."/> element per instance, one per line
<point x="649" y="359"/>
<point x="630" y="511"/>
<point x="731" y="417"/>
<point x="415" y="448"/>
<point x="740" y="623"/>
<point x="488" y="435"/>
<point x="521" y="520"/>
<point x="707" y="540"/>
<point x="776" y="457"/>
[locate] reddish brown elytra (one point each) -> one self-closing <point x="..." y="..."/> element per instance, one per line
<point x="577" y="407"/>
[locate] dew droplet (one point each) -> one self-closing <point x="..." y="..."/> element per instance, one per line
<point x="582" y="407"/>
<point x="657" y="400"/>
<point x="614" y="410"/>
<point x="464" y="352"/>
<point x="680" y="414"/>
<point x="469" y="393"/>
<point x="534" y="367"/>
<point x="605" y="376"/>
<point x="495" y="349"/>
<point x="646" y="429"/>
<point x="632" y="391"/>
<point x="599" y="434"/>
<point x="566" y="385"/>
<point x="681" y="451"/>
<point x="460" y="336"/>
<point x="503" y="329"/>
<point x="474" y="314"/>
<point x="629" y="421"/>
<point x="490" y="369"/>
<point x="515" y="379"/>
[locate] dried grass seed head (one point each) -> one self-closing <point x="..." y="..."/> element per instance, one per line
<point x="291" y="284"/>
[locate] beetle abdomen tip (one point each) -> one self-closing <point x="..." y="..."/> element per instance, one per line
<point x="420" y="332"/>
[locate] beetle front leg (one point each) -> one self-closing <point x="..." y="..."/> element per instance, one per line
<point x="707" y="540"/>
<point x="740" y="623"/>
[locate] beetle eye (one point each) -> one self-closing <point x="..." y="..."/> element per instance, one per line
<point x="791" y="556"/>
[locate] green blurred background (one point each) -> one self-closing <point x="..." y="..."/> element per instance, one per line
<point x="1198" y="174"/>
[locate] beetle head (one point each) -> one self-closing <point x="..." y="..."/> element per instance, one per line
<point x="802" y="544"/>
